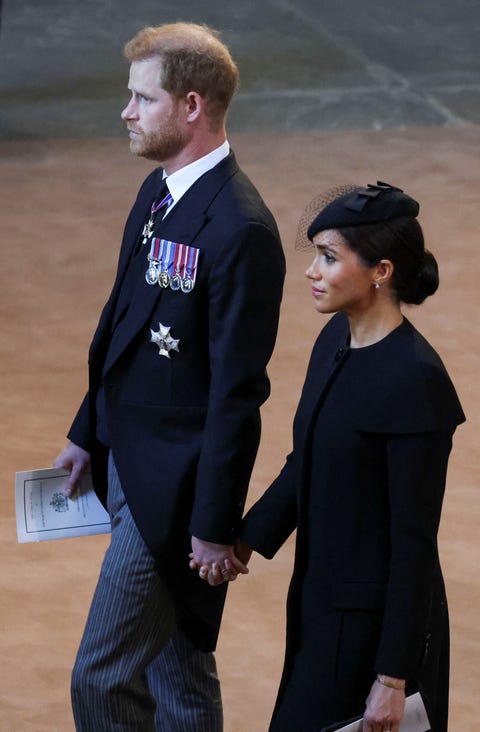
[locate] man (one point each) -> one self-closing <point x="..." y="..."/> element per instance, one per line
<point x="177" y="376"/>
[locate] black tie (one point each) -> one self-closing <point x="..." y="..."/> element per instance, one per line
<point x="161" y="202"/>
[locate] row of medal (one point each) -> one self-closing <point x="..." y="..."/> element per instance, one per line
<point x="172" y="265"/>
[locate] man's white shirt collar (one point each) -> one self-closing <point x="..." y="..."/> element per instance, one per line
<point x="179" y="182"/>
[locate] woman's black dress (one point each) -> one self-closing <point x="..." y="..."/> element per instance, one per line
<point x="364" y="488"/>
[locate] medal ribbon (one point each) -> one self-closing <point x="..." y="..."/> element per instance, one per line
<point x="178" y="259"/>
<point x="173" y="258"/>
<point x="167" y="253"/>
<point x="191" y="262"/>
<point x="156" y="249"/>
<point x="156" y="206"/>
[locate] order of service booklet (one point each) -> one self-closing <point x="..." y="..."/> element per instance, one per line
<point x="43" y="510"/>
<point x="414" y="719"/>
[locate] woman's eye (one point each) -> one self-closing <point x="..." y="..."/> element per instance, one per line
<point x="329" y="258"/>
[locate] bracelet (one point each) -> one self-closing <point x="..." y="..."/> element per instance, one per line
<point x="389" y="684"/>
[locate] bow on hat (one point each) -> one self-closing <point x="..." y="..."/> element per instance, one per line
<point x="364" y="205"/>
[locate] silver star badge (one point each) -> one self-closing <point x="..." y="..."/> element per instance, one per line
<point x="164" y="340"/>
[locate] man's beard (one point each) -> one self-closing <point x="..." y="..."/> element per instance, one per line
<point x="163" y="144"/>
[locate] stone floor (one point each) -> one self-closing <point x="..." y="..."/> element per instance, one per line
<point x="64" y="206"/>
<point x="347" y="92"/>
<point x="305" y="64"/>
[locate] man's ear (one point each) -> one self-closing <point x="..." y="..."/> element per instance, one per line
<point x="194" y="106"/>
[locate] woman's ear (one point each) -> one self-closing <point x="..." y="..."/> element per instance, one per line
<point x="383" y="272"/>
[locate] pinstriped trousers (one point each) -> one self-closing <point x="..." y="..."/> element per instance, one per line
<point x="135" y="672"/>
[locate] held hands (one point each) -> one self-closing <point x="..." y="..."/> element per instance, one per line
<point x="77" y="461"/>
<point x="218" y="563"/>
<point x="385" y="705"/>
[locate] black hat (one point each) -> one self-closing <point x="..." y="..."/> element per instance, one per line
<point x="369" y="205"/>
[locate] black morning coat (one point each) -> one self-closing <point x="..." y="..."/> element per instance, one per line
<point x="184" y="430"/>
<point x="376" y="473"/>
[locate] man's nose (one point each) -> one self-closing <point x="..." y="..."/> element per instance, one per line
<point x="129" y="112"/>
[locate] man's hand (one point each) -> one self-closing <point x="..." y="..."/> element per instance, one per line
<point x="216" y="563"/>
<point x="77" y="461"/>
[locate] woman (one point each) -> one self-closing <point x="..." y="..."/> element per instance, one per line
<point x="363" y="486"/>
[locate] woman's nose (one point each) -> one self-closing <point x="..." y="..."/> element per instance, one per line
<point x="313" y="272"/>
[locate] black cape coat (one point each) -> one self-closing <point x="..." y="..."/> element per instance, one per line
<point x="363" y="486"/>
<point x="184" y="430"/>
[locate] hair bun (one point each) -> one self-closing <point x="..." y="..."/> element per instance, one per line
<point x="424" y="284"/>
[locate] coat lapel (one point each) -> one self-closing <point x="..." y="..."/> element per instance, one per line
<point x="178" y="226"/>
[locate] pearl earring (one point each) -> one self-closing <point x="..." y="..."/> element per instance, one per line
<point x="376" y="285"/>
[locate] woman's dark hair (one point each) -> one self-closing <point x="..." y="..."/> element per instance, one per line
<point x="401" y="241"/>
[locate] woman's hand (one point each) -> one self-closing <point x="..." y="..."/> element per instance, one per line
<point x="216" y="569"/>
<point x="243" y="551"/>
<point x="216" y="563"/>
<point x="385" y="705"/>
